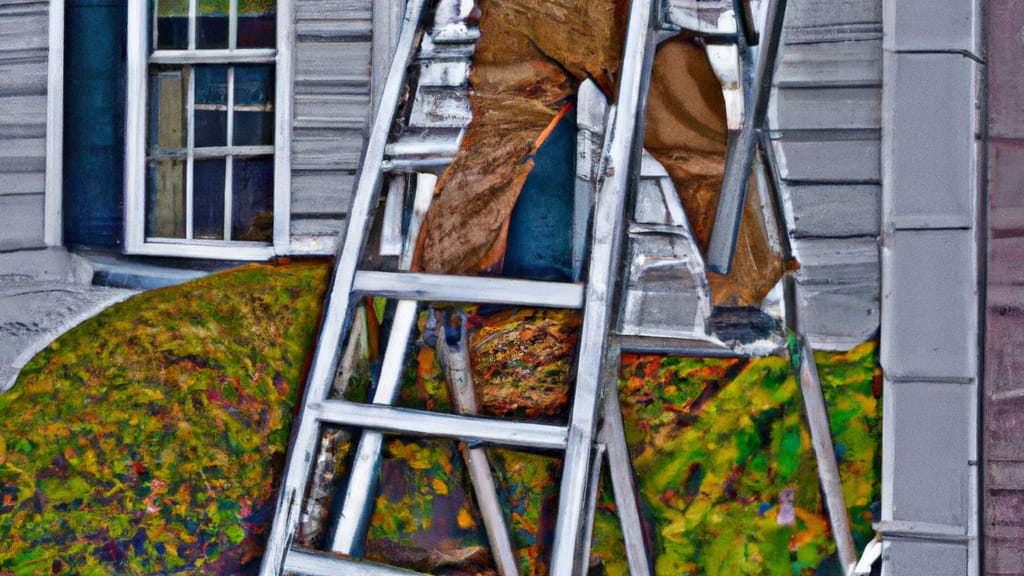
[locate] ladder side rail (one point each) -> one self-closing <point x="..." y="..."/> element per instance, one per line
<point x="354" y="520"/>
<point x="741" y="155"/>
<point x="606" y="240"/>
<point x="620" y="465"/>
<point x="304" y="437"/>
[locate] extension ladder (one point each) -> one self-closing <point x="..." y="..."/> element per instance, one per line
<point x="580" y="439"/>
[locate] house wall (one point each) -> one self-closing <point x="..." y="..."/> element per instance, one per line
<point x="825" y="119"/>
<point x="932" y="265"/>
<point x="24" y="46"/>
<point x="332" y="95"/>
<point x="1004" y="313"/>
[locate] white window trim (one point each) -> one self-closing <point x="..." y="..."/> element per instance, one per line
<point x="135" y="148"/>
<point x="53" y="224"/>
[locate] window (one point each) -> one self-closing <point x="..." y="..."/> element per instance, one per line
<point x="203" y="155"/>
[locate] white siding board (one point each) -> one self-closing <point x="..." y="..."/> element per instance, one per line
<point x="23" y="77"/>
<point x="834" y="161"/>
<point x="854" y="63"/>
<point x="22" y="183"/>
<point x="21" y="221"/>
<point x="335" y="150"/>
<point x="327" y="61"/>
<point x="321" y="192"/>
<point x="331" y="111"/>
<point x="830" y="108"/>
<point x="23" y="155"/>
<point x="328" y="30"/>
<point x="333" y="9"/>
<point x="832" y="211"/>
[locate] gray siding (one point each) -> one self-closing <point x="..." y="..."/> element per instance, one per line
<point x="23" y="70"/>
<point x="332" y="89"/>
<point x="930" y="273"/>
<point x="824" y="121"/>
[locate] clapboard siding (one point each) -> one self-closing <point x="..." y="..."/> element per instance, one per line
<point x="328" y="192"/>
<point x="825" y="129"/>
<point x="24" y="47"/>
<point x="331" y="111"/>
<point x="21" y="221"/>
<point x="22" y="77"/>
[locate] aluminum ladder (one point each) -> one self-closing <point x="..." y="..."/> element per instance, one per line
<point x="580" y="439"/>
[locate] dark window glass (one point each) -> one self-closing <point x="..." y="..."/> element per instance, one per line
<point x="172" y="24"/>
<point x="253" y="105"/>
<point x="212" y="23"/>
<point x="211" y="116"/>
<point x="257" y="24"/>
<point x="252" y="201"/>
<point x="208" y="199"/>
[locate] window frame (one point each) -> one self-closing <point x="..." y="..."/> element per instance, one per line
<point x="139" y="60"/>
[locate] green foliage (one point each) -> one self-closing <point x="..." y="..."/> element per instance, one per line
<point x="725" y="463"/>
<point x="150" y="438"/>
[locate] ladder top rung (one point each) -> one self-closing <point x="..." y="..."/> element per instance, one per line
<point x="470" y="289"/>
<point x="311" y="563"/>
<point x="422" y="423"/>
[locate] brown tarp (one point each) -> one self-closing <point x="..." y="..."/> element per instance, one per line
<point x="528" y="62"/>
<point x="530" y="58"/>
<point x="686" y="132"/>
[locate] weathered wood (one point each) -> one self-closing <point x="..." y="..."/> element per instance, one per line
<point x="338" y="61"/>
<point x="326" y="149"/>
<point x="332" y="9"/>
<point x="330" y="227"/>
<point x="333" y="30"/>
<point x="331" y="111"/>
<point x="321" y="192"/>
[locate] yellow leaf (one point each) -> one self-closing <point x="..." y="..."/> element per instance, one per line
<point x="440" y="488"/>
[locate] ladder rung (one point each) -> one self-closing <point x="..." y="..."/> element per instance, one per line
<point x="423" y="423"/>
<point x="311" y="563"/>
<point x="477" y="289"/>
<point x="674" y="346"/>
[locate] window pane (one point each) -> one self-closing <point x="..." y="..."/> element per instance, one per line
<point x="208" y="199"/>
<point x="254" y="115"/>
<point x="167" y="109"/>
<point x="211" y="116"/>
<point x="252" y="200"/>
<point x="212" y="24"/>
<point x="171" y="24"/>
<point x="165" y="199"/>
<point x="257" y="23"/>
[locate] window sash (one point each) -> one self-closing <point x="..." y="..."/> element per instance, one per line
<point x="141" y="53"/>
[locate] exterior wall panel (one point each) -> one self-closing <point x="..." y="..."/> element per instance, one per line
<point x="332" y="95"/>
<point x="24" y="46"/>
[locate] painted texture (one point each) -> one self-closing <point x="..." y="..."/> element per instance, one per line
<point x="176" y="473"/>
<point x="23" y="67"/>
<point x="1003" y="528"/>
<point x="724" y="462"/>
<point x="150" y="438"/>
